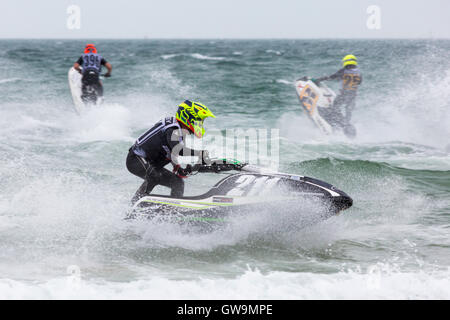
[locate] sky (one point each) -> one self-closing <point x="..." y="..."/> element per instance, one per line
<point x="236" y="19"/>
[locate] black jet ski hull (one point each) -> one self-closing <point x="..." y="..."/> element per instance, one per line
<point x="245" y="193"/>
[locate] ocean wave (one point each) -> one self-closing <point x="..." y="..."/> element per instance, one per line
<point x="192" y="55"/>
<point x="288" y="82"/>
<point x="374" y="283"/>
<point x="169" y="56"/>
<point x="369" y="167"/>
<point x="276" y="52"/>
<point x="66" y="188"/>
<point x="203" y="57"/>
<point x="9" y="80"/>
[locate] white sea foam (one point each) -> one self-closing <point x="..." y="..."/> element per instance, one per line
<point x="276" y="52"/>
<point x="192" y="55"/>
<point x="374" y="283"/>
<point x="203" y="57"/>
<point x="103" y="123"/>
<point x="405" y="115"/>
<point x="169" y="56"/>
<point x="283" y="81"/>
<point x="10" y="80"/>
<point x="64" y="191"/>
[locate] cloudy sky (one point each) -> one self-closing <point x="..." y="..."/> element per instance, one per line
<point x="224" y="19"/>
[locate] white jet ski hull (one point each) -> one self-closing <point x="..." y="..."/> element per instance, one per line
<point x="317" y="102"/>
<point x="312" y="97"/>
<point x="74" y="78"/>
<point x="75" y="85"/>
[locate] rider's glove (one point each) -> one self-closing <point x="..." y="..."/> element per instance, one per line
<point x="182" y="172"/>
<point x="107" y="75"/>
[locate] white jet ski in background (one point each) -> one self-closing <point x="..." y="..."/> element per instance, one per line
<point x="250" y="190"/>
<point x="91" y="96"/>
<point x="317" y="101"/>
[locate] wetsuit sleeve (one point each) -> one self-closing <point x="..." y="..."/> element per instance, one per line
<point x="337" y="75"/>
<point x="103" y="62"/>
<point x="80" y="61"/>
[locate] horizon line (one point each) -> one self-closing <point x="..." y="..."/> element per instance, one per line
<point x="227" y="38"/>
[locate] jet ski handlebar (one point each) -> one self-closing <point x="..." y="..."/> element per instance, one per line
<point x="223" y="165"/>
<point x="216" y="166"/>
<point x="219" y="167"/>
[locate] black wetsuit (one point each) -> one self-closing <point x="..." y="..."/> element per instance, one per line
<point x="92" y="66"/>
<point x="351" y="79"/>
<point x="157" y="147"/>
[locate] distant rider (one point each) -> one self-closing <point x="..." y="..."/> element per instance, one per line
<point x="91" y="63"/>
<point x="162" y="144"/>
<point x="351" y="79"/>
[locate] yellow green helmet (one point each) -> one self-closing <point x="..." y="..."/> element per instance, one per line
<point x="192" y="114"/>
<point x="349" y="60"/>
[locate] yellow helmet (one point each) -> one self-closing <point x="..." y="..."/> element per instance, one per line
<point x="192" y="114"/>
<point x="349" y="60"/>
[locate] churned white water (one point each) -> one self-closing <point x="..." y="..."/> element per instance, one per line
<point x="65" y="190"/>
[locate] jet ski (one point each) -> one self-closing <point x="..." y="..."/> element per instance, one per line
<point x="249" y="189"/>
<point x="317" y="101"/>
<point x="87" y="96"/>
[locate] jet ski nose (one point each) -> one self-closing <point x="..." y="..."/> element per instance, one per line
<point x="342" y="202"/>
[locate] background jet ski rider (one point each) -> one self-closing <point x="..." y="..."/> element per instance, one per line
<point x="92" y="63"/>
<point x="351" y="79"/>
<point x="162" y="144"/>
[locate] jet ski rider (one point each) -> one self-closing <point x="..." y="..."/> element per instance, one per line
<point x="351" y="79"/>
<point x="92" y="63"/>
<point x="162" y="144"/>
